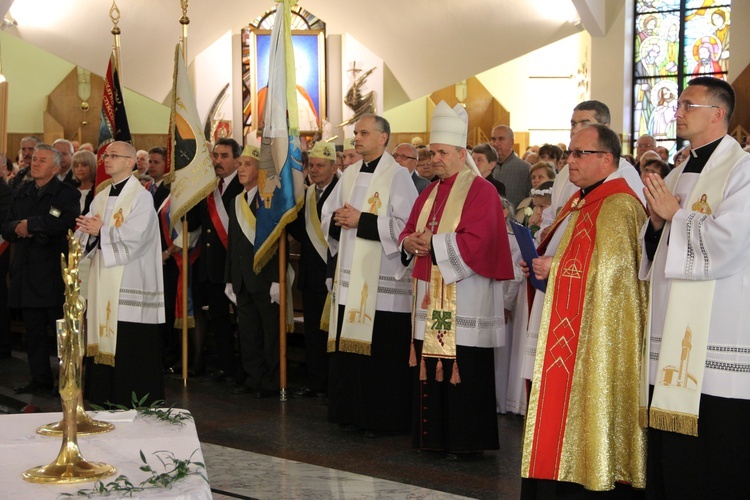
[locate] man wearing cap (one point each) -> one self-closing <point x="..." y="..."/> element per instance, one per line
<point x="582" y="426"/>
<point x="256" y="295"/>
<point x="214" y="211"/>
<point x="313" y="265"/>
<point x="349" y="155"/>
<point x="406" y="156"/>
<point x="456" y="240"/>
<point x="126" y="289"/>
<point x="369" y="335"/>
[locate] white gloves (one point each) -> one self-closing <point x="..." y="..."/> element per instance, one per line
<point x="230" y="293"/>
<point x="275" y="294"/>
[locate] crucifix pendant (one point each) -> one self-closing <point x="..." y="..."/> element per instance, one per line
<point x="433" y="224"/>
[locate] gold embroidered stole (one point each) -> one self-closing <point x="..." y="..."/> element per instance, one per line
<point x="356" y="328"/>
<point x="312" y="225"/>
<point x="682" y="356"/>
<point x="104" y="282"/>
<point x="440" y="298"/>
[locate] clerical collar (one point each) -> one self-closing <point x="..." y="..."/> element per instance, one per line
<point x="699" y="157"/>
<point x="449" y="181"/>
<point x="585" y="191"/>
<point x="369" y="168"/>
<point x="116" y="189"/>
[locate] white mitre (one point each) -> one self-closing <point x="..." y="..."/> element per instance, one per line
<point x="451" y="126"/>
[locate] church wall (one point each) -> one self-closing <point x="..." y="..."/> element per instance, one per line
<point x="33" y="74"/>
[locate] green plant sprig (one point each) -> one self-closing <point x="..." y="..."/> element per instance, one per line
<point x="155" y="409"/>
<point x="175" y="469"/>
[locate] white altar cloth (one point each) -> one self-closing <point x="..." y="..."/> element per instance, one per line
<point x="21" y="448"/>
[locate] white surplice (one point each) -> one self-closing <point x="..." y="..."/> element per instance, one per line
<point x="722" y="243"/>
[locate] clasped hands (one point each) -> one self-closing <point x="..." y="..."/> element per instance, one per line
<point x="419" y="242"/>
<point x="347" y="217"/>
<point x="90" y="225"/>
<point x="662" y="204"/>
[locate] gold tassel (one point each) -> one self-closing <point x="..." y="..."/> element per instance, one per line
<point x="326" y="315"/>
<point x="455" y="377"/>
<point x="412" y="355"/>
<point x="355" y="346"/>
<point x="331" y="345"/>
<point x="673" y="422"/>
<point x="422" y="370"/>
<point x="104" y="358"/>
<point x="439" y="371"/>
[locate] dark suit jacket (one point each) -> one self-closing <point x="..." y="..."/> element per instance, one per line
<point x="240" y="254"/>
<point x="35" y="277"/>
<point x="69" y="179"/>
<point x="312" y="269"/>
<point x="213" y="253"/>
<point x="160" y="195"/>
<point x="419" y="182"/>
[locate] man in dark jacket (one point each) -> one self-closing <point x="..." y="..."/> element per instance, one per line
<point x="40" y="216"/>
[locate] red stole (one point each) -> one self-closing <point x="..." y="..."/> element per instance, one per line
<point x="566" y="314"/>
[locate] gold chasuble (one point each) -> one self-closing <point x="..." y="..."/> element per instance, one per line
<point x="582" y="423"/>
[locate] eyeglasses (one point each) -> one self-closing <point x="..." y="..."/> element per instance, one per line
<point x="687" y="106"/>
<point x="113" y="156"/>
<point x="577" y="153"/>
<point x="398" y="157"/>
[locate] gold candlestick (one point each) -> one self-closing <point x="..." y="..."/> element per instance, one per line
<point x="70" y="466"/>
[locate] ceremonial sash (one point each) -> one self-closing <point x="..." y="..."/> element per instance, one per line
<point x="245" y="216"/>
<point x="104" y="283"/>
<point x="312" y="225"/>
<point x="559" y="332"/>
<point x="440" y="298"/>
<point x="247" y="221"/>
<point x="356" y="329"/>
<point x="682" y="356"/>
<point x="170" y="236"/>
<point x="218" y="215"/>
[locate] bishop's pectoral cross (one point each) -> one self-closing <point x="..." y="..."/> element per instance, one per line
<point x="433" y="224"/>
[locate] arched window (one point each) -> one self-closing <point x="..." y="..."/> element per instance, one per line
<point x="675" y="41"/>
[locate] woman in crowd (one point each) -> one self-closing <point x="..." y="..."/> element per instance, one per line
<point x="83" y="165"/>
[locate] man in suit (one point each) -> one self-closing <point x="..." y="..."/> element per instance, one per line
<point x="406" y="156"/>
<point x="256" y="295"/>
<point x="511" y="170"/>
<point x="313" y="265"/>
<point x="214" y="210"/>
<point x="41" y="213"/>
<point x="28" y="144"/>
<point x="65" y="148"/>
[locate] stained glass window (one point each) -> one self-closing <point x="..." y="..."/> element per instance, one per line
<point x="675" y="41"/>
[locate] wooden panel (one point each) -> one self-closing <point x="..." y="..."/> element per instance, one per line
<point x="741" y="115"/>
<point x="402" y="137"/>
<point x="4" y="117"/>
<point x="64" y="105"/>
<point x="483" y="109"/>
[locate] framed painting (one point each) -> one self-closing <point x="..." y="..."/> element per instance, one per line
<point x="309" y="62"/>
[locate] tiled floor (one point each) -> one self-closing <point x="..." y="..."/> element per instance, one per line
<point x="269" y="449"/>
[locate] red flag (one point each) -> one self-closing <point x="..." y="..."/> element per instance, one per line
<point x="114" y="121"/>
